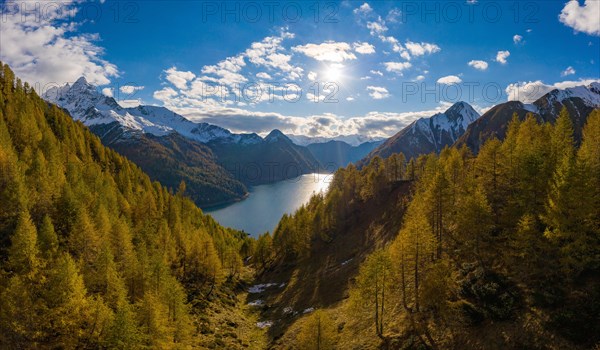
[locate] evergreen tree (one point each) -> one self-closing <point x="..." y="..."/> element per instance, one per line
<point x="317" y="333"/>
<point x="264" y="250"/>
<point x="47" y="238"/>
<point x="374" y="283"/>
<point x="24" y="255"/>
<point x="68" y="307"/>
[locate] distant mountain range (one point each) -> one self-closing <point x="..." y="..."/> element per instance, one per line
<point x="352" y="140"/>
<point x="579" y="101"/>
<point x="334" y="154"/>
<point x="462" y="125"/>
<point x="338" y="151"/>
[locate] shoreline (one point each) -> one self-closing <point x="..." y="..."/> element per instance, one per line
<point x="223" y="204"/>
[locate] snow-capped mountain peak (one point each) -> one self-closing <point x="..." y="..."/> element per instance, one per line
<point x="81" y="81"/>
<point x="88" y="105"/>
<point x="452" y="123"/>
<point x="462" y="112"/>
<point x="432" y="134"/>
<point x="590" y="94"/>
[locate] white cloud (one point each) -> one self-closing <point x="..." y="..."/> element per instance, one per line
<point x="378" y="92"/>
<point x="393" y="15"/>
<point x="364" y="48"/>
<point x="420" y="49"/>
<point x="270" y="53"/>
<point x="568" y="71"/>
<point x="517" y="39"/>
<point x="349" y="98"/>
<point x="420" y="78"/>
<point x="218" y="79"/>
<point x="449" y="79"/>
<point x="397" y="67"/>
<point x="584" y="18"/>
<point x="329" y="51"/>
<point x="364" y="9"/>
<point x="224" y="84"/>
<point x="528" y="92"/>
<point x="129" y="89"/>
<point x="501" y="56"/>
<point x="165" y="94"/>
<point x="376" y="72"/>
<point x="378" y="27"/>
<point x="396" y="46"/>
<point x="227" y="71"/>
<point x="179" y="78"/>
<point x="107" y="92"/>
<point x="312" y="76"/>
<point x="478" y="64"/>
<point x="263" y="75"/>
<point x="44" y="49"/>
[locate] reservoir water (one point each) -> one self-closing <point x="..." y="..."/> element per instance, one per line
<point x="266" y="204"/>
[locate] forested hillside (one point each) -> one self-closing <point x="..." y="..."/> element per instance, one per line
<point x="495" y="251"/>
<point x="92" y="253"/>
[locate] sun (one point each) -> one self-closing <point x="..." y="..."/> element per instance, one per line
<point x="333" y="73"/>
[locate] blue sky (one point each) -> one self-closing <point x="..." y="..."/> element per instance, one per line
<point x="321" y="68"/>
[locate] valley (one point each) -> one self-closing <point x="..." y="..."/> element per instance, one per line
<point x="267" y="203"/>
<point x="300" y="175"/>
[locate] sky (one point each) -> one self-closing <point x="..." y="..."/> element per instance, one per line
<point x="310" y="68"/>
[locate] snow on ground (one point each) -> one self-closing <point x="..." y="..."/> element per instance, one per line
<point x="258" y="302"/>
<point x="264" y="324"/>
<point x="308" y="310"/>
<point x="259" y="288"/>
<point x="346" y="262"/>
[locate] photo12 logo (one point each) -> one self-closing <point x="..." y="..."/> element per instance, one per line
<point x="470" y="11"/>
<point x="256" y="92"/>
<point x="48" y="11"/>
<point x="269" y="11"/>
<point x="490" y="92"/>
